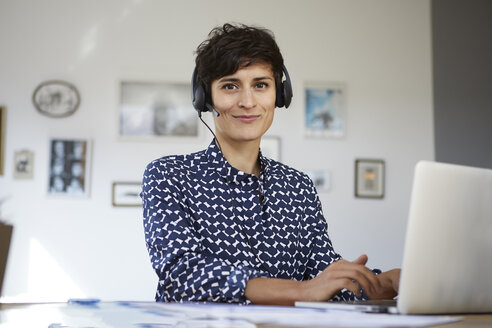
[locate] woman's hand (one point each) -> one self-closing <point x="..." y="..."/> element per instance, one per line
<point x="390" y="281"/>
<point x="342" y="275"/>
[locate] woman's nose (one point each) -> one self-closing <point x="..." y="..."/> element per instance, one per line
<point x="247" y="99"/>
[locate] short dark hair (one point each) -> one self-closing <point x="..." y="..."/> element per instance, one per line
<point x="234" y="46"/>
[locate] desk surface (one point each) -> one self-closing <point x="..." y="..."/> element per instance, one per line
<point x="469" y="321"/>
<point x="111" y="314"/>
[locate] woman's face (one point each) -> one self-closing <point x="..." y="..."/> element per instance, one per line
<point x="245" y="101"/>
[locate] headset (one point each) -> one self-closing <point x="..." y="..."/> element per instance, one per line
<point x="200" y="99"/>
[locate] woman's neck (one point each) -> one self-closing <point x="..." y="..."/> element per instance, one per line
<point x="242" y="155"/>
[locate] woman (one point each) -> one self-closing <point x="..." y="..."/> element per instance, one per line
<point x="229" y="225"/>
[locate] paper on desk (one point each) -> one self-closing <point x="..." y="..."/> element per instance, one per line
<point x="286" y="316"/>
<point x="142" y="315"/>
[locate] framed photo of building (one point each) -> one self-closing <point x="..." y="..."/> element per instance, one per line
<point x="325" y="112"/>
<point x="126" y="194"/>
<point x="69" y="167"/>
<point x="369" y="178"/>
<point x="3" y="126"/>
<point x="23" y="164"/>
<point x="156" y="110"/>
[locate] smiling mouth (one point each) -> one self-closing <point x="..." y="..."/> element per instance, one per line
<point x="247" y="118"/>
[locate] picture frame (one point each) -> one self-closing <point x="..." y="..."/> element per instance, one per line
<point x="369" y="178"/>
<point x="321" y="179"/>
<point x="156" y="110"/>
<point x="126" y="194"/>
<point x="325" y="110"/>
<point x="3" y="126"/>
<point x="56" y="98"/>
<point x="270" y="147"/>
<point x="69" y="167"/>
<point x="23" y="164"/>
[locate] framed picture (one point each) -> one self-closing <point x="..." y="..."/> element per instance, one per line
<point x="69" y="167"/>
<point x="325" y="113"/>
<point x="369" y="178"/>
<point x="321" y="179"/>
<point x="23" y="164"/>
<point x="126" y="194"/>
<point x="3" y="126"/>
<point x="156" y="109"/>
<point x="270" y="147"/>
<point x="56" y="98"/>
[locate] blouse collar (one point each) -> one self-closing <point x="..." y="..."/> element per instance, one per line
<point x="217" y="162"/>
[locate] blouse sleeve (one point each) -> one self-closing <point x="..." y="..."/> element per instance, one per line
<point x="323" y="253"/>
<point x="185" y="274"/>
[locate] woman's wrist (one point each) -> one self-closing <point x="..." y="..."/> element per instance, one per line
<point x="274" y="291"/>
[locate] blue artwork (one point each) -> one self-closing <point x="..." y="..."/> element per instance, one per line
<point x="324" y="111"/>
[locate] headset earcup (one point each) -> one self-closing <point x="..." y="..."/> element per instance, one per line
<point x="284" y="91"/>
<point x="198" y="96"/>
<point x="287" y="93"/>
<point x="199" y="99"/>
<point x="279" y="100"/>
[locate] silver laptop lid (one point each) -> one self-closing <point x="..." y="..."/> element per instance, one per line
<point x="447" y="262"/>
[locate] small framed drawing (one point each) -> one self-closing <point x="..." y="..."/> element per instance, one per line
<point x="126" y="194"/>
<point x="23" y="164"/>
<point x="56" y="98"/>
<point x="3" y="126"/>
<point x="325" y="113"/>
<point x="156" y="109"/>
<point x="270" y="147"/>
<point x="69" y="167"/>
<point x="369" y="178"/>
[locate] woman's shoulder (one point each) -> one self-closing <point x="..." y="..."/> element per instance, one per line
<point x="177" y="164"/>
<point x="287" y="172"/>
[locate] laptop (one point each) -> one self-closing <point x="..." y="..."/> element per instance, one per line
<point x="447" y="260"/>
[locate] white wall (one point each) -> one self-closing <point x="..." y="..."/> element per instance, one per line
<point x="85" y="247"/>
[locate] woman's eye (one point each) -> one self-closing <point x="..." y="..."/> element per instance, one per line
<point x="261" y="85"/>
<point x="229" y="86"/>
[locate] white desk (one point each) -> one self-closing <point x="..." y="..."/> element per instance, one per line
<point x="115" y="314"/>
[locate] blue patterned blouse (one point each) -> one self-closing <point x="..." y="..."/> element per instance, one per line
<point x="209" y="227"/>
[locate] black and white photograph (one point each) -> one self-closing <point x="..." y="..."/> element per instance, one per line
<point x="69" y="167"/>
<point x="156" y="109"/>
<point x="369" y="178"/>
<point x="126" y="194"/>
<point x="56" y="98"/>
<point x="23" y="164"/>
<point x="325" y="110"/>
